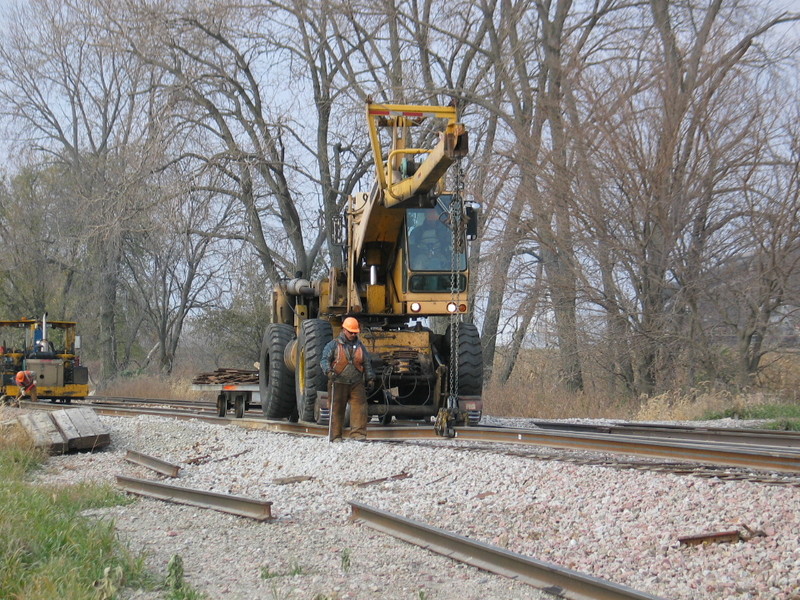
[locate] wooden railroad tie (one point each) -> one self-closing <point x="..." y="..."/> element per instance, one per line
<point x="67" y="430"/>
<point x="226" y="375"/>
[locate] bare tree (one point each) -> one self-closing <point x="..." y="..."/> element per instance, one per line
<point x="625" y="154"/>
<point x="77" y="102"/>
<point x="528" y="52"/>
<point x="680" y="152"/>
<point x="37" y="228"/>
<point x="173" y="271"/>
<point x="223" y="65"/>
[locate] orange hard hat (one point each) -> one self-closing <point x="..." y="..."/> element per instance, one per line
<point x="21" y="377"/>
<point x="350" y="324"/>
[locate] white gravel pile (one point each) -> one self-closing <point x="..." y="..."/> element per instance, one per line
<point x="619" y="525"/>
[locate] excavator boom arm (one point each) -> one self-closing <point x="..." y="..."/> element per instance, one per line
<point x="453" y="144"/>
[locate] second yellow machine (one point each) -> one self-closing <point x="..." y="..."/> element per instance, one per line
<point x="405" y="261"/>
<point x="51" y="349"/>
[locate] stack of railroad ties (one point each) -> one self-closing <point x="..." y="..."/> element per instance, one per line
<point x="224" y="376"/>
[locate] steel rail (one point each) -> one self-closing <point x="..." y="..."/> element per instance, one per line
<point x="776" y="460"/>
<point x="159" y="401"/>
<point x="153" y="463"/>
<point x="260" y="510"/>
<point x="716" y="454"/>
<point x="760" y="437"/>
<point x="549" y="577"/>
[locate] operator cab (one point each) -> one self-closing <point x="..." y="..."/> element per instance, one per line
<point x="431" y="258"/>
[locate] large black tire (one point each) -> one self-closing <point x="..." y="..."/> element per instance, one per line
<point x="470" y="359"/>
<point x="309" y="376"/>
<point x="275" y="380"/>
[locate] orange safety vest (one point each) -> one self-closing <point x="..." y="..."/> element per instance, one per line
<point x="27" y="381"/>
<point x="340" y="358"/>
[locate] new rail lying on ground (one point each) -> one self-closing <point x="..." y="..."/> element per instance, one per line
<point x="549" y="577"/>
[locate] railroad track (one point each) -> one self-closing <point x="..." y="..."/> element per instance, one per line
<point x="549" y="577"/>
<point x="754" y="437"/>
<point x="746" y="456"/>
<point x="757" y="437"/>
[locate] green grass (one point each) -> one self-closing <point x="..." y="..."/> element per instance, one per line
<point x="781" y="417"/>
<point x="178" y="589"/>
<point x="294" y="570"/>
<point x="783" y="425"/>
<point x="346" y="560"/>
<point x="758" y="411"/>
<point x="47" y="549"/>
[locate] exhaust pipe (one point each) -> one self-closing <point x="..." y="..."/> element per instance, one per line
<point x="43" y="341"/>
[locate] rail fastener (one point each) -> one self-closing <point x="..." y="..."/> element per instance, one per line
<point x="548" y="577"/>
<point x="260" y="510"/>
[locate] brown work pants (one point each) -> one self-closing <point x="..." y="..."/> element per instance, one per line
<point x="356" y="395"/>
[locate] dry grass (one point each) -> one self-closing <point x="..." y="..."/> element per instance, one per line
<point x="697" y="404"/>
<point x="12" y="434"/>
<point x="781" y="373"/>
<point x="534" y="391"/>
<point x="518" y="400"/>
<point x="151" y="386"/>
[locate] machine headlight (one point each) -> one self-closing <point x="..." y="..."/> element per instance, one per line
<point x="452" y="307"/>
<point x="416" y="307"/>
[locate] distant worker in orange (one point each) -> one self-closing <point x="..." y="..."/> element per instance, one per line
<point x="346" y="362"/>
<point x="26" y="382"/>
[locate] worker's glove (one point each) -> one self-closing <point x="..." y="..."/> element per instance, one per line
<point x="331" y="375"/>
<point x="371" y="385"/>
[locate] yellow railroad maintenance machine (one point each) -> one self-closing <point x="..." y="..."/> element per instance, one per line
<point x="49" y="349"/>
<point x="405" y="259"/>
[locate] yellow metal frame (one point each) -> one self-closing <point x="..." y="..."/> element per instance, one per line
<point x="70" y="390"/>
<point x="452" y="145"/>
<point x="30" y="326"/>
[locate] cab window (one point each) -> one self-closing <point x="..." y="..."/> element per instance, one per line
<point x="430" y="242"/>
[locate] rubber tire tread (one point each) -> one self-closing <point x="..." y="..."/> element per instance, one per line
<point x="314" y="335"/>
<point x="470" y="359"/>
<point x="275" y="380"/>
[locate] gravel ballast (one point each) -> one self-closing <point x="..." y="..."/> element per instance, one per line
<point x="619" y="525"/>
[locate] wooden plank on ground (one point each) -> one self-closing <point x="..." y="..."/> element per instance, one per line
<point x="86" y="431"/>
<point x="64" y="424"/>
<point x="43" y="431"/>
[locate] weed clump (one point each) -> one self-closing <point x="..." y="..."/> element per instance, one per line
<point x="47" y="548"/>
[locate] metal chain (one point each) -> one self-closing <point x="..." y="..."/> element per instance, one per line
<point x="457" y="225"/>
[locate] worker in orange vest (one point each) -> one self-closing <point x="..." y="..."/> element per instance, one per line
<point x="26" y="382"/>
<point x="346" y="362"/>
